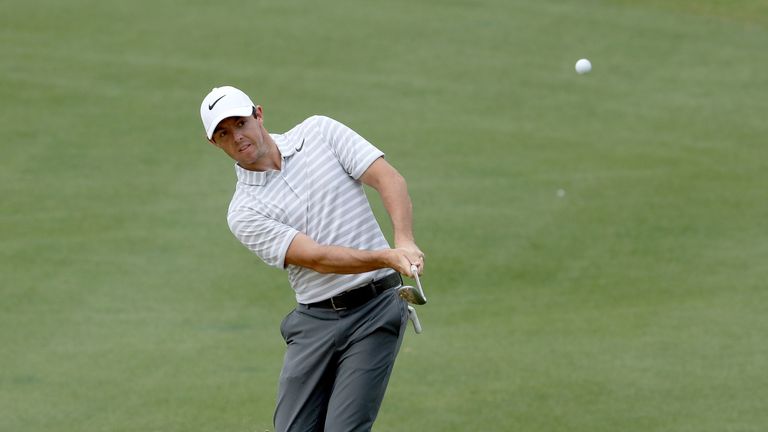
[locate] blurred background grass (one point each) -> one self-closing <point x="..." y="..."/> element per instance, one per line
<point x="633" y="300"/>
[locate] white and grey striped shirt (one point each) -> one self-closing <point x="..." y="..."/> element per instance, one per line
<point x="316" y="192"/>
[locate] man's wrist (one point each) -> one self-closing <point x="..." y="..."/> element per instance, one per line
<point x="386" y="258"/>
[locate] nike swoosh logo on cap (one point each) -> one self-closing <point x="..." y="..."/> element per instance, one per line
<point x="210" y="107"/>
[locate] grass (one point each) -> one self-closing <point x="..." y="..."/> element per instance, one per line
<point x="634" y="302"/>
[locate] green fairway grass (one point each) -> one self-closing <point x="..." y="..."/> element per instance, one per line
<point x="596" y="244"/>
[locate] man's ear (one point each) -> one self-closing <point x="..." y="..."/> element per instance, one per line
<point x="212" y="142"/>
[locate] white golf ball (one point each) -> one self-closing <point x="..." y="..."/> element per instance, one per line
<point x="583" y="66"/>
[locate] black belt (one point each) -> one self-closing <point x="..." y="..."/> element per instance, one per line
<point x="360" y="295"/>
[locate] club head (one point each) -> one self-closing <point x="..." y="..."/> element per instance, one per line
<point x="411" y="295"/>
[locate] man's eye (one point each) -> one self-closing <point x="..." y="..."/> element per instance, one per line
<point x="241" y="123"/>
<point x="222" y="134"/>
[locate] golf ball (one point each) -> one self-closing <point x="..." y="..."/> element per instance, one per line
<point x="583" y="66"/>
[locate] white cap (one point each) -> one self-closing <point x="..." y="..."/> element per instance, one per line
<point x="223" y="102"/>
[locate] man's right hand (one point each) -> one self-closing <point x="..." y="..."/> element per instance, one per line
<point x="403" y="258"/>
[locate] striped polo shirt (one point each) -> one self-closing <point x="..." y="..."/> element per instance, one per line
<point x="317" y="192"/>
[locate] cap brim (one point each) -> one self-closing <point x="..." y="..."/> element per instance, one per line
<point x="242" y="111"/>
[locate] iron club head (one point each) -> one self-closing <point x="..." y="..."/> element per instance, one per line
<point x="411" y="295"/>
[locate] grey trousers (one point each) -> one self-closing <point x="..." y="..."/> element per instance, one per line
<point x="337" y="364"/>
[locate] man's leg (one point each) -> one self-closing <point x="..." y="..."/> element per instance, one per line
<point x="306" y="380"/>
<point x="373" y="337"/>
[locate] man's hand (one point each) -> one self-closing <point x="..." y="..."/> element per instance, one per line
<point x="402" y="258"/>
<point x="413" y="253"/>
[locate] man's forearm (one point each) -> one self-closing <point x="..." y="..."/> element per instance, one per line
<point x="343" y="260"/>
<point x="398" y="204"/>
<point x="393" y="191"/>
<point x="304" y="252"/>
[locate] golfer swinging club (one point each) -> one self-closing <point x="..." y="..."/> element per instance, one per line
<point x="299" y="204"/>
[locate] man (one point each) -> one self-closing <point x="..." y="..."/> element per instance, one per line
<point x="299" y="204"/>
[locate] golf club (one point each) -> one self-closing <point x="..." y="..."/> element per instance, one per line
<point x="414" y="319"/>
<point x="413" y="295"/>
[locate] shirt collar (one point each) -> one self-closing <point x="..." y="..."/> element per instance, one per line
<point x="284" y="144"/>
<point x="251" y="178"/>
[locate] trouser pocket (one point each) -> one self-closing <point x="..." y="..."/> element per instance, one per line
<point x="284" y="331"/>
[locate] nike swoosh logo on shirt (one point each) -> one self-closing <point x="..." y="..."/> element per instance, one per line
<point x="210" y="107"/>
<point x="298" y="149"/>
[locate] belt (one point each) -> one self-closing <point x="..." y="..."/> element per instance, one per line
<point x="360" y="295"/>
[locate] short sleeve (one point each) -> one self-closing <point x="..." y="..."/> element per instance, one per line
<point x="353" y="151"/>
<point x="266" y="237"/>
